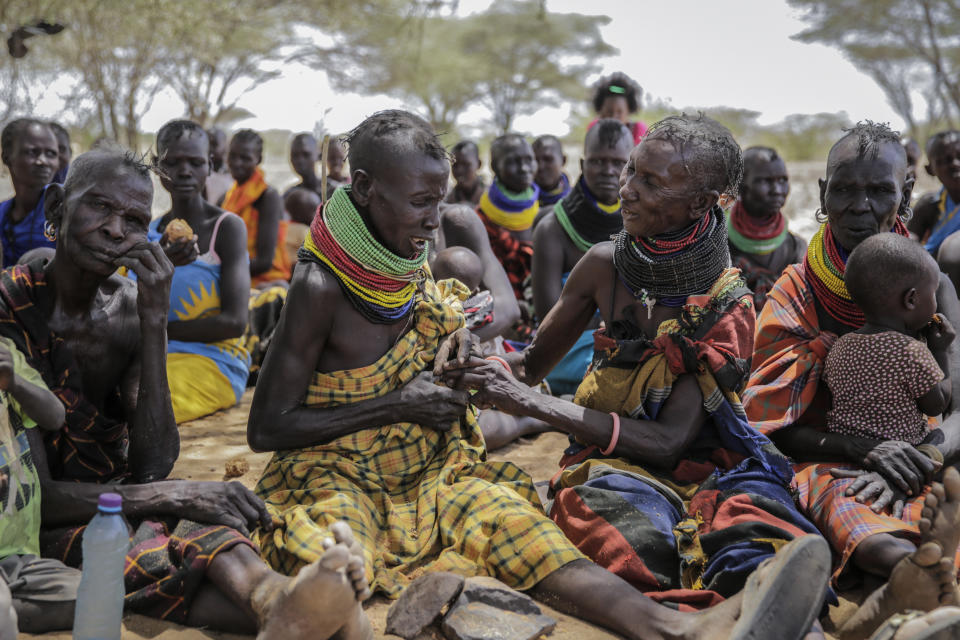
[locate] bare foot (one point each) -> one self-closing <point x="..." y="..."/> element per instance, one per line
<point x="323" y="600"/>
<point x="922" y="581"/>
<point x="940" y="521"/>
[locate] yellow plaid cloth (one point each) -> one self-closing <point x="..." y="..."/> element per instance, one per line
<point x="417" y="499"/>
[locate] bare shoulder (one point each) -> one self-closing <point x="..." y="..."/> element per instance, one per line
<point x="596" y="263"/>
<point x="231" y="224"/>
<point x="542" y="215"/>
<point x="548" y="232"/>
<point x="601" y="253"/>
<point x="314" y="288"/>
<point x="459" y="218"/>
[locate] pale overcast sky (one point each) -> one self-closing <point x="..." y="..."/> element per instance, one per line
<point x="703" y="53"/>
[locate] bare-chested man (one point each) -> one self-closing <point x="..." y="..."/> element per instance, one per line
<point x="588" y="215"/>
<point x="304" y="155"/>
<point x="761" y="245"/>
<point x="99" y="342"/>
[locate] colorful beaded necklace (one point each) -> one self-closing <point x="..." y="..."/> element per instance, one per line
<point x="749" y="236"/>
<point x="380" y="284"/>
<point x="585" y="220"/>
<point x="556" y="194"/>
<point x="668" y="268"/>
<point x="513" y="211"/>
<point x="824" y="265"/>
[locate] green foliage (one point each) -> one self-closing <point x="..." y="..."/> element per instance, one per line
<point x="220" y="52"/>
<point x="514" y="58"/>
<point x="904" y="45"/>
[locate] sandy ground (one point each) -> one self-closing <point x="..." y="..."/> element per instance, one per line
<point x="207" y="446"/>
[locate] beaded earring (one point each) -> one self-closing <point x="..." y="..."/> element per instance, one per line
<point x="50" y="231"/>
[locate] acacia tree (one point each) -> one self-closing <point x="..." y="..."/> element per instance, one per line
<point x="904" y="45"/>
<point x="531" y="57"/>
<point x="404" y="49"/>
<point x="217" y="55"/>
<point x="514" y="58"/>
<point x="114" y="56"/>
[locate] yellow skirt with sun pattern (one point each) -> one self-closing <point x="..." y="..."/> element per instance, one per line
<point x="417" y="499"/>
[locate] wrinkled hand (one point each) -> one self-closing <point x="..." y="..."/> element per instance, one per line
<point x="182" y="251"/>
<point x="940" y="333"/>
<point x="455" y="350"/>
<point x="226" y="503"/>
<point x="154" y="274"/>
<point x="6" y="368"/>
<point x="496" y="386"/>
<point x="870" y="486"/>
<point x="432" y="405"/>
<point x="906" y="468"/>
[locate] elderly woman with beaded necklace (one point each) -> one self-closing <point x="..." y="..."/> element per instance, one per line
<point x="870" y="507"/>
<point x="658" y="413"/>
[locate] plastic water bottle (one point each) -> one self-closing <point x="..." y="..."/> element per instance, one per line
<point x="100" y="597"/>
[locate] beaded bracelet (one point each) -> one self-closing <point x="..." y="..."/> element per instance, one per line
<point x="613" y="438"/>
<point x="505" y="364"/>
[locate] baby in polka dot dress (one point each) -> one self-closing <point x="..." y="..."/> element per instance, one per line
<point x="885" y="380"/>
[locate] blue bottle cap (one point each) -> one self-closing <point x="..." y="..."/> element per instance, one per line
<point x="110" y="502"/>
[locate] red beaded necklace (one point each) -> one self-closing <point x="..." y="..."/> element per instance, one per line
<point x="754" y="228"/>
<point x="662" y="245"/>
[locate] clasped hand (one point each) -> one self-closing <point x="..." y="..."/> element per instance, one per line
<point x="459" y="364"/>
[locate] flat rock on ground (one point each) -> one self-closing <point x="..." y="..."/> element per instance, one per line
<point x="487" y="609"/>
<point x="422" y="603"/>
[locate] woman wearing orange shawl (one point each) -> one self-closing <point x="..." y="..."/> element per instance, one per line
<point x="866" y="496"/>
<point x="261" y="207"/>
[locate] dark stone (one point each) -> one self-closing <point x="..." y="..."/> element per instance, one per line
<point x="479" y="621"/>
<point x="422" y="603"/>
<point x="487" y="609"/>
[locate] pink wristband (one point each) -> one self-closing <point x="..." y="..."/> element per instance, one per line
<point x="613" y="438"/>
<point x="501" y="361"/>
